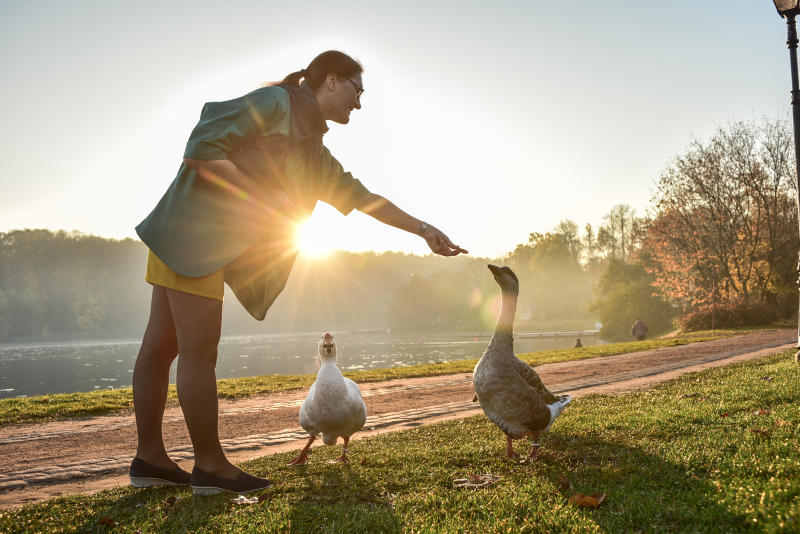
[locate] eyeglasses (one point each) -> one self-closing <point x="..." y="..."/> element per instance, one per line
<point x="358" y="88"/>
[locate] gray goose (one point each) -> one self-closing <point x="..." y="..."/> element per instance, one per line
<point x="510" y="392"/>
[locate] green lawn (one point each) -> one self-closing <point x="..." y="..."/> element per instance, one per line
<point x="71" y="405"/>
<point x="715" y="451"/>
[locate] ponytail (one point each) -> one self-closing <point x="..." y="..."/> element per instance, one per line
<point x="294" y="78"/>
<point x="330" y="62"/>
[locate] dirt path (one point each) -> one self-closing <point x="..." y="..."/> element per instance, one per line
<point x="41" y="461"/>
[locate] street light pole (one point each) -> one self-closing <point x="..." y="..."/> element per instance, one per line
<point x="789" y="9"/>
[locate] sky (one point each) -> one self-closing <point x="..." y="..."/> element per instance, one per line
<point x="489" y="120"/>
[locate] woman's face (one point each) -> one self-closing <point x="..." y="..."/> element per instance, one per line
<point x="345" y="98"/>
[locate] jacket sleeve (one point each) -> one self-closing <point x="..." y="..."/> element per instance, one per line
<point x="225" y="125"/>
<point x="337" y="187"/>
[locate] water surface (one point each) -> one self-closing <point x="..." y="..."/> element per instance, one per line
<point x="40" y="368"/>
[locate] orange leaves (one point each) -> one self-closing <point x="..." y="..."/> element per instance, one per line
<point x="762" y="412"/>
<point x="580" y="499"/>
<point x="107" y="521"/>
<point x="587" y="501"/>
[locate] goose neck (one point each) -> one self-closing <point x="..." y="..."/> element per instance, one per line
<point x="508" y="309"/>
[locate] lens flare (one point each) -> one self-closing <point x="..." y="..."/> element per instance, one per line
<point x="312" y="240"/>
<point x="475" y="297"/>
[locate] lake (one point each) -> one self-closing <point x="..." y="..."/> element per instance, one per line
<point x="41" y="368"/>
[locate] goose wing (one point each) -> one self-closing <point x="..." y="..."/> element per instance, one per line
<point x="517" y="411"/>
<point x="531" y="377"/>
<point x="306" y="411"/>
<point x="357" y="405"/>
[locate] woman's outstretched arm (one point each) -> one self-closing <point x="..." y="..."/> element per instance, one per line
<point x="386" y="212"/>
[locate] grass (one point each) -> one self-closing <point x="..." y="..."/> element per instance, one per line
<point x="714" y="451"/>
<point x="114" y="401"/>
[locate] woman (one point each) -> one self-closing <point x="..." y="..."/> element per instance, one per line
<point x="253" y="166"/>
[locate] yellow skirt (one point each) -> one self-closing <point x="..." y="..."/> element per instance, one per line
<point x="158" y="273"/>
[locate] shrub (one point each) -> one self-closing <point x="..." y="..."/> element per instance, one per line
<point x="742" y="314"/>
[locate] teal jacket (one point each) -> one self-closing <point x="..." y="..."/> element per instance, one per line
<point x="200" y="226"/>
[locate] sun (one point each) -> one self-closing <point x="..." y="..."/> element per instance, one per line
<point x="312" y="239"/>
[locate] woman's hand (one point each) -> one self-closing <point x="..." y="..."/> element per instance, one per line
<point x="438" y="242"/>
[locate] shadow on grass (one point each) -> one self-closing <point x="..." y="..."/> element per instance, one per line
<point x="337" y="498"/>
<point x="644" y="492"/>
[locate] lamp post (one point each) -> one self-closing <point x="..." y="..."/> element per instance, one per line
<point x="789" y="9"/>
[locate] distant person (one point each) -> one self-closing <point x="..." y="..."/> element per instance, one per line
<point x="578" y="343"/>
<point x="639" y="330"/>
<point x="253" y="167"/>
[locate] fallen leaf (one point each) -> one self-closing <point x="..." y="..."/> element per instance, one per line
<point x="760" y="431"/>
<point x="725" y="414"/>
<point x="241" y="499"/>
<point x="105" y="520"/>
<point x="563" y="483"/>
<point x="263" y="497"/>
<point x="588" y="501"/>
<point x="781" y="422"/>
<point x="762" y="412"/>
<point x="767" y="378"/>
<point x="476" y="481"/>
<point x="170" y="501"/>
<point x="688" y="395"/>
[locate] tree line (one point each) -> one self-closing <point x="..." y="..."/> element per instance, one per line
<point x="718" y="244"/>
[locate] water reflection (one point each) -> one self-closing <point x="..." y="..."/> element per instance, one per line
<point x="34" y="369"/>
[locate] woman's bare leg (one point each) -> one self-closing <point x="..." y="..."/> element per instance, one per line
<point x="198" y="322"/>
<point x="151" y="379"/>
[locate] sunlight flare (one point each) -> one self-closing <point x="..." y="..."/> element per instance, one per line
<point x="312" y="238"/>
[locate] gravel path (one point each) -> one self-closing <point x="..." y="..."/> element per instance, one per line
<point x="41" y="461"/>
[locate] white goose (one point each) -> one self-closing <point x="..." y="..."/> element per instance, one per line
<point x="333" y="407"/>
<point x="510" y="392"/>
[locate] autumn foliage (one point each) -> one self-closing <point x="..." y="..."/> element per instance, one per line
<point x="723" y="236"/>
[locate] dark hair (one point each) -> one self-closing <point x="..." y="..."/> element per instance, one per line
<point x="330" y="62"/>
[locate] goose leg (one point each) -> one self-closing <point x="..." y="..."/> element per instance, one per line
<point x="510" y="448"/>
<point x="302" y="458"/>
<point x="534" y="447"/>
<point x="343" y="458"/>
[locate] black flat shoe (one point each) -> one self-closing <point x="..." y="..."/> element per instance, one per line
<point x="207" y="484"/>
<point x="144" y="475"/>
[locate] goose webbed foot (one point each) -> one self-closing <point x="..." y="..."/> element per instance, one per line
<point x="534" y="448"/>
<point x="302" y="458"/>
<point x="343" y="458"/>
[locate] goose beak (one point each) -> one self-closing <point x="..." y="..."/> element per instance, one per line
<point x="494" y="268"/>
<point x="327" y="342"/>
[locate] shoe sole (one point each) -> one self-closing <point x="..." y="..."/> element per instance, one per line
<point x="148" y="482"/>
<point x="214" y="490"/>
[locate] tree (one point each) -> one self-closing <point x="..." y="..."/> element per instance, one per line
<point x="626" y="293"/>
<point x="567" y="230"/>
<point x="724" y="211"/>
<point x="557" y="286"/>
